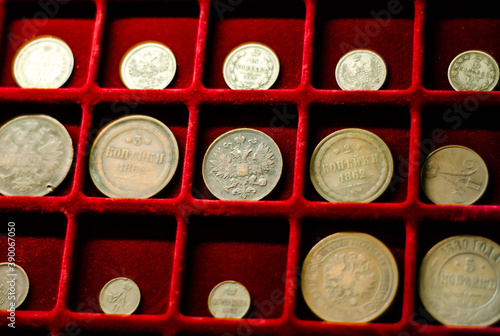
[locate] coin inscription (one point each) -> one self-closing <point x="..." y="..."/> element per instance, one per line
<point x="14" y="286"/>
<point x="361" y="69"/>
<point x="148" y="65"/>
<point x="454" y="175"/>
<point x="251" y="66"/>
<point x="120" y="296"/>
<point x="473" y="70"/>
<point x="349" y="277"/>
<point x="242" y="164"/>
<point x="351" y="165"/>
<point x="229" y="299"/>
<point x="36" y="153"/>
<point x="459" y="280"/>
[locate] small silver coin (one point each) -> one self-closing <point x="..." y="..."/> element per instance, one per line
<point x="44" y="62"/>
<point x="351" y="165"/>
<point x="133" y="157"/>
<point x="361" y="69"/>
<point x="14" y="286"/>
<point x="148" y="65"/>
<point x="36" y="153"/>
<point x="251" y="66"/>
<point x="229" y="299"/>
<point x="120" y="296"/>
<point x="242" y="164"/>
<point x="454" y="175"/>
<point x="459" y="281"/>
<point x="473" y="70"/>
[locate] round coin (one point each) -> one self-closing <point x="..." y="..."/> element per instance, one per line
<point x="473" y="70"/>
<point x="133" y="157"/>
<point x="12" y="293"/>
<point x="251" y="66"/>
<point x="44" y="62"/>
<point x="454" y="175"/>
<point x="361" y="69"/>
<point x="229" y="299"/>
<point x="460" y="280"/>
<point x="351" y="165"/>
<point x="349" y="277"/>
<point x="36" y="153"/>
<point x="120" y="296"/>
<point x="242" y="164"/>
<point x="148" y="65"/>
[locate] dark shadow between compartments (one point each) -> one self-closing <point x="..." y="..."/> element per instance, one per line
<point x="28" y="331"/>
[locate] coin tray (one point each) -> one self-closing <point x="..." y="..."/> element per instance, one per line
<point x="178" y="244"/>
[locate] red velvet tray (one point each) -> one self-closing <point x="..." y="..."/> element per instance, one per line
<point x="180" y="243"/>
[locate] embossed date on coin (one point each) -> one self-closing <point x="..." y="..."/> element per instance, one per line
<point x="473" y="70"/>
<point x="229" y="299"/>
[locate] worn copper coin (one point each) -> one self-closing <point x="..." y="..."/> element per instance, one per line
<point x="14" y="286"/>
<point x="473" y="70"/>
<point x="120" y="296"/>
<point x="229" y="299"/>
<point x="361" y="69"/>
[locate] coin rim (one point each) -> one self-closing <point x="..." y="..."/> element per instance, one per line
<point x="233" y="282"/>
<point x="34" y="39"/>
<point x="131" y="50"/>
<point x="225" y="135"/>
<point x="354" y="51"/>
<point x="446" y="147"/>
<point x="487" y="55"/>
<point x="241" y="46"/>
<point x="27" y="283"/>
<point x="114" y="280"/>
<point x="391" y="261"/>
<point x="134" y="117"/>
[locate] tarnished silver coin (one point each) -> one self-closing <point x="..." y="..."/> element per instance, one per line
<point x="44" y="62"/>
<point x="454" y="175"/>
<point x="349" y="277"/>
<point x="133" y="157"/>
<point x="148" y="65"/>
<point x="361" y="69"/>
<point x="251" y="66"/>
<point x="229" y="299"/>
<point x="120" y="296"/>
<point x="36" y="153"/>
<point x="14" y="286"/>
<point x="242" y="164"/>
<point x="473" y="70"/>
<point x="351" y="165"/>
<point x="460" y="280"/>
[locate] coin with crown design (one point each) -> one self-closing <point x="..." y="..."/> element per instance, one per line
<point x="229" y="299"/>
<point x="473" y="70"/>
<point x="120" y="296"/>
<point x="361" y="69"/>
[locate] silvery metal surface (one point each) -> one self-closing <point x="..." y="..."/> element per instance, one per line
<point x="14" y="285"/>
<point x="120" y="296"/>
<point x="473" y="70"/>
<point x="229" y="299"/>
<point x="361" y="69"/>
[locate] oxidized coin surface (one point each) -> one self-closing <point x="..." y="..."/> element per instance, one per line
<point x="460" y="280"/>
<point x="120" y="296"/>
<point x="242" y="164"/>
<point x="229" y="299"/>
<point x="36" y="153"/>
<point x="14" y="286"/>
<point x="349" y="277"/>
<point x="133" y="157"/>
<point x="361" y="69"/>
<point x="473" y="70"/>
<point x="148" y="65"/>
<point x="44" y="62"/>
<point x="251" y="66"/>
<point x="454" y="175"/>
<point x="351" y="165"/>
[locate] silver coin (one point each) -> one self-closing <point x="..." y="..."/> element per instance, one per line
<point x="473" y="70"/>
<point x="454" y="175"/>
<point x="351" y="165"/>
<point x="361" y="69"/>
<point x="251" y="66"/>
<point x="36" y="153"/>
<point x="120" y="296"/>
<point x="242" y="164"/>
<point x="349" y="277"/>
<point x="44" y="62"/>
<point x="148" y="65"/>
<point x="14" y="286"/>
<point x="133" y="157"/>
<point x="229" y="299"/>
<point x="459" y="281"/>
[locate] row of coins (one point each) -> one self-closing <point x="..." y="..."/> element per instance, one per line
<point x="137" y="156"/>
<point x="346" y="277"/>
<point x="47" y="62"/>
